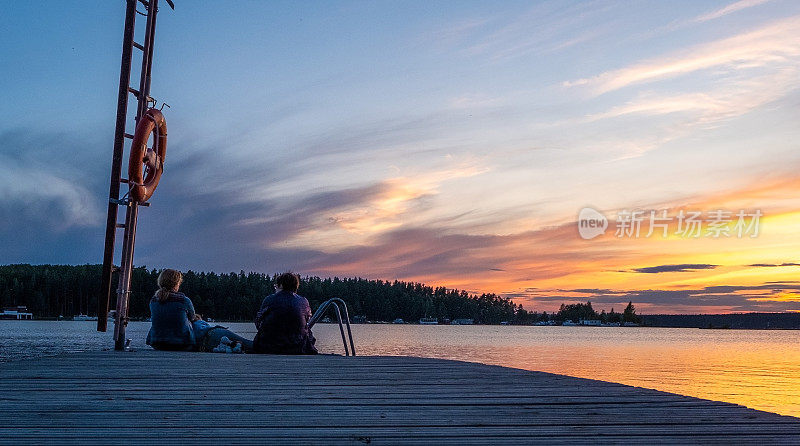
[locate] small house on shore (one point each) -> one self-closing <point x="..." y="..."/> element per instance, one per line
<point x="16" y="313"/>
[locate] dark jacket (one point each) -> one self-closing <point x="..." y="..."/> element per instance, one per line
<point x="282" y="324"/>
<point x="171" y="322"/>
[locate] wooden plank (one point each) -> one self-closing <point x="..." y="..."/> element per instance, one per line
<point x="433" y="432"/>
<point x="155" y="397"/>
<point x="299" y="420"/>
<point x="364" y="418"/>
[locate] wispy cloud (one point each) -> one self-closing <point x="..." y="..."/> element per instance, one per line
<point x="398" y="201"/>
<point x="544" y="28"/>
<point x="702" y="19"/>
<point x="472" y="101"/>
<point x="56" y="191"/>
<point x="52" y="197"/>
<point x="679" y="268"/>
<point x="729" y="9"/>
<point x="718" y="103"/>
<point x="775" y="43"/>
<point x="454" y="33"/>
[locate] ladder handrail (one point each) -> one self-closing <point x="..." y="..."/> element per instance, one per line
<point x="321" y="311"/>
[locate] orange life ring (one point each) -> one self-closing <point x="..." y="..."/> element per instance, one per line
<point x="146" y="165"/>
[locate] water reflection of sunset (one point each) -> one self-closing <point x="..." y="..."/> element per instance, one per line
<point x="758" y="369"/>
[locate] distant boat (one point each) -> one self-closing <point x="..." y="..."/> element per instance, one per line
<point x="569" y="323"/>
<point x="591" y="322"/>
<point x="462" y="322"/>
<point x="429" y="321"/>
<point x="398" y="321"/>
<point x="83" y="317"/>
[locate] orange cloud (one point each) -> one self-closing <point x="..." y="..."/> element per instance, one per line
<point x="534" y="266"/>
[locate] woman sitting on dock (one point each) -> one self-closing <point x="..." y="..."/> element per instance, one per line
<point x="282" y="321"/>
<point x="177" y="327"/>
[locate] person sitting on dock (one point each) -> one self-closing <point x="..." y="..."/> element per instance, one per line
<point x="172" y="314"/>
<point x="208" y="337"/>
<point x="175" y="325"/>
<point x="282" y="321"/>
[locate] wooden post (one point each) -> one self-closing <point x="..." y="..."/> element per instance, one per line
<point x="116" y="167"/>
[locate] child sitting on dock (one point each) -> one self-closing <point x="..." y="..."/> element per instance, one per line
<point x="282" y="321"/>
<point x="175" y="325"/>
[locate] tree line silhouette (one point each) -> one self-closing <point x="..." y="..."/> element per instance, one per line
<point x="576" y="312"/>
<point x="50" y="291"/>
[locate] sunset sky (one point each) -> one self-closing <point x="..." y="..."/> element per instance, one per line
<point x="452" y="143"/>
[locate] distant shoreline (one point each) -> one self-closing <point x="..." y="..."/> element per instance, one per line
<point x="645" y="325"/>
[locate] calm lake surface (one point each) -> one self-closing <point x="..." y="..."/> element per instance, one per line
<point x="758" y="369"/>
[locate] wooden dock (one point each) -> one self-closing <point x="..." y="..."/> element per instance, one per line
<point x="203" y="398"/>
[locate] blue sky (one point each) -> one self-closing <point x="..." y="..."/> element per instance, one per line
<point x="447" y="142"/>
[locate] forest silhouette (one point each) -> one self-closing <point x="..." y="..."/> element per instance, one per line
<point x="50" y="291"/>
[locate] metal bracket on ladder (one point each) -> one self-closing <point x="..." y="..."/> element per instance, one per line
<point x="126" y="202"/>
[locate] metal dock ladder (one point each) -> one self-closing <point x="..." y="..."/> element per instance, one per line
<point x="335" y="304"/>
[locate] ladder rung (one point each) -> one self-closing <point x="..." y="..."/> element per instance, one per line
<point x="120" y="225"/>
<point x="134" y="91"/>
<point x="128" y="135"/>
<point x="138" y="45"/>
<point x="123" y="180"/>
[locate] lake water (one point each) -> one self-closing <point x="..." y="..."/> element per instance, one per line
<point x="758" y="369"/>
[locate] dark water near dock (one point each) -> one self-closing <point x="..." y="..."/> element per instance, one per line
<point x="758" y="369"/>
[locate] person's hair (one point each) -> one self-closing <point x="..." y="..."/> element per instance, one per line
<point x="288" y="281"/>
<point x="168" y="281"/>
